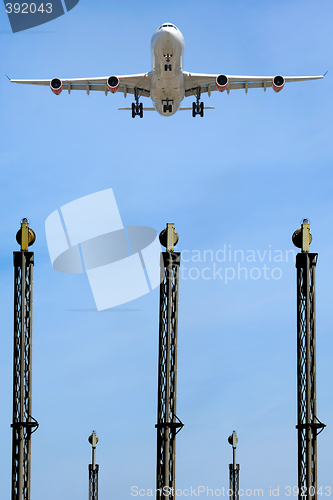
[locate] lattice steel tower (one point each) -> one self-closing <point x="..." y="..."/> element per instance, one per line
<point x="168" y="424"/>
<point x="234" y="468"/>
<point x="308" y="425"/>
<point x="23" y="423"/>
<point x="93" y="469"/>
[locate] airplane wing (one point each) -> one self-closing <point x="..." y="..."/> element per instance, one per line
<point x="125" y="84"/>
<point x="207" y="83"/>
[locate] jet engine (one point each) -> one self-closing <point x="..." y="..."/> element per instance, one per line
<point x="56" y="86"/>
<point x="221" y="83"/>
<point x="278" y="83"/>
<point x="113" y="84"/>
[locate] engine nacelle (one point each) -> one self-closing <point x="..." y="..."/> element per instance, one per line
<point x="56" y="86"/>
<point x="221" y="83"/>
<point x="278" y="83"/>
<point x="113" y="84"/>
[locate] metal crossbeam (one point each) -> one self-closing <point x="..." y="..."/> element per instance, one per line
<point x="308" y="424"/>
<point x="168" y="424"/>
<point x="23" y="423"/>
<point x="93" y="468"/>
<point x="93" y="482"/>
<point x="234" y="481"/>
<point x="234" y="469"/>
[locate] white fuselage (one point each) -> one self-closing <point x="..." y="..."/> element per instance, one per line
<point x="167" y="82"/>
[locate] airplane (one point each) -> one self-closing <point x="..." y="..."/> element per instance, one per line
<point x="167" y="84"/>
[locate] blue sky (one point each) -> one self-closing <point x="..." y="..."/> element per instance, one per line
<point x="244" y="177"/>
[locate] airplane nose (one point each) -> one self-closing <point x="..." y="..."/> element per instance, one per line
<point x="166" y="39"/>
<point x="165" y="34"/>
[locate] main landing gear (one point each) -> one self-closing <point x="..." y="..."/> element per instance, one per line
<point x="137" y="107"/>
<point x="167" y="106"/>
<point x="137" y="110"/>
<point x="198" y="107"/>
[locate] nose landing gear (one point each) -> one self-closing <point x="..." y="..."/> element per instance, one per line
<point x="137" y="107"/>
<point x="198" y="107"/>
<point x="167" y="106"/>
<point x="168" y="65"/>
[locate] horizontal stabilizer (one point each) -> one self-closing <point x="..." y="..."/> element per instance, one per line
<point x="130" y="109"/>
<point x="190" y="109"/>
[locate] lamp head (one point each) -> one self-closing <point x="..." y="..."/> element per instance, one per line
<point x="169" y="237"/>
<point x="93" y="439"/>
<point x="302" y="237"/>
<point x="25" y="236"/>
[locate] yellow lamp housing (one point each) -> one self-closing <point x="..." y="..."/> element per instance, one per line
<point x="25" y="236"/>
<point x="302" y="237"/>
<point x="169" y="237"/>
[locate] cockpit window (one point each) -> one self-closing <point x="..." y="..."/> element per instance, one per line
<point x="167" y="26"/>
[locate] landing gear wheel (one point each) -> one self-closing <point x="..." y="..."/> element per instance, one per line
<point x="165" y="107"/>
<point x="137" y="107"/>
<point x="170" y="108"/>
<point x="198" y="106"/>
